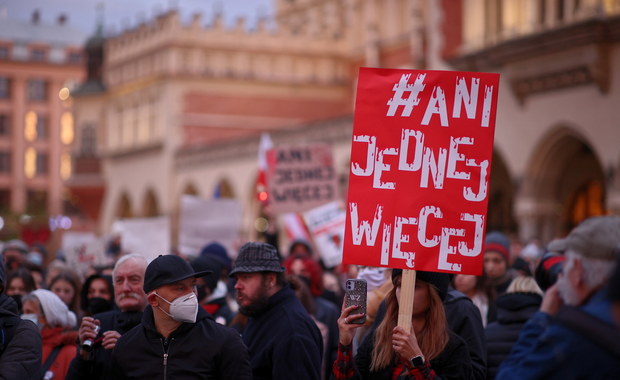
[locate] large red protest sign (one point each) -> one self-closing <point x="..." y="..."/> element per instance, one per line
<point x="420" y="169"/>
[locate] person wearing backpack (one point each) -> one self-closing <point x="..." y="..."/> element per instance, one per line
<point x="20" y="340"/>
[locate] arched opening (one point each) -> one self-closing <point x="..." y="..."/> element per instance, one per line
<point x="150" y="206"/>
<point x="565" y="183"/>
<point x="124" y="210"/>
<point x="500" y="215"/>
<point x="586" y="202"/>
<point x="190" y="189"/>
<point x="223" y="189"/>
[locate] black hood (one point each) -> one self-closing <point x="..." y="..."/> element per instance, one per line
<point x="8" y="306"/>
<point x="517" y="307"/>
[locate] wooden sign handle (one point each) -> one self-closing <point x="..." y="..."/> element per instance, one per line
<point x="405" y="306"/>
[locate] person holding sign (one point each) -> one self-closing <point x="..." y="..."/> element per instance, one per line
<point x="429" y="351"/>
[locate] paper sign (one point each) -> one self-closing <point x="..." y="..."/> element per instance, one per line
<point x="326" y="224"/>
<point x="420" y="169"/>
<point x="204" y="221"/>
<point x="149" y="237"/>
<point x="300" y="177"/>
<point x="83" y="250"/>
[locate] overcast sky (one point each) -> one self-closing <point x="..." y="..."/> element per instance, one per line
<point x="119" y="14"/>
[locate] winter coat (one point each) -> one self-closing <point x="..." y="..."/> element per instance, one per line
<point x="284" y="342"/>
<point x="201" y="350"/>
<point x="452" y="363"/>
<point x="513" y="310"/>
<point x="465" y="321"/>
<point x="65" y="339"/>
<point x="328" y="314"/>
<point x="550" y="350"/>
<point x="98" y="365"/>
<point x="21" y="357"/>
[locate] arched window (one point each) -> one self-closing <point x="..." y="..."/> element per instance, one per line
<point x="123" y="210"/>
<point x="150" y="206"/>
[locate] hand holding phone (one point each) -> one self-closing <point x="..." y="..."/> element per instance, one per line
<point x="355" y="294"/>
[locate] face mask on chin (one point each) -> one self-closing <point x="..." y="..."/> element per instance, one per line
<point x="32" y="318"/>
<point x="182" y="309"/>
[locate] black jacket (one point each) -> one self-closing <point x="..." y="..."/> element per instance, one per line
<point x="513" y="310"/>
<point x="98" y="366"/>
<point x="464" y="320"/>
<point x="201" y="350"/>
<point x="452" y="363"/>
<point x="21" y="356"/>
<point x="284" y="342"/>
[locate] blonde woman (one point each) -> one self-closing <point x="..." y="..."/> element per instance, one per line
<point x="428" y="352"/>
<point x="522" y="299"/>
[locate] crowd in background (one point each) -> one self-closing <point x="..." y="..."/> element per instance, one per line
<point x="464" y="326"/>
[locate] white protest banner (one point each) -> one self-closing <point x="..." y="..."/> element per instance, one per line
<point x="326" y="224"/>
<point x="149" y="237"/>
<point x="300" y="177"/>
<point x="203" y="221"/>
<point x="83" y="250"/>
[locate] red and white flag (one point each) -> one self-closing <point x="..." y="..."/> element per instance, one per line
<point x="261" y="182"/>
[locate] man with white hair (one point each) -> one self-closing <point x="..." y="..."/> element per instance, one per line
<point x="95" y="353"/>
<point x="569" y="337"/>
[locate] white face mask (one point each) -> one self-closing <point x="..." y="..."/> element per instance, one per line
<point x="34" y="318"/>
<point x="182" y="309"/>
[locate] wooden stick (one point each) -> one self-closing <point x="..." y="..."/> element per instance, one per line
<point x="405" y="306"/>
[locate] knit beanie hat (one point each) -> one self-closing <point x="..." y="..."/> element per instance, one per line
<point x="219" y="251"/>
<point x="440" y="281"/>
<point x="497" y="242"/>
<point x="210" y="263"/>
<point x="56" y="312"/>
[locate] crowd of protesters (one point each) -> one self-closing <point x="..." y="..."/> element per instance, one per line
<point x="536" y="312"/>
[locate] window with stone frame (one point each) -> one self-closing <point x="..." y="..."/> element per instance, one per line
<point x="5" y="125"/>
<point x="5" y="162"/>
<point x="5" y="87"/>
<point x="36" y="89"/>
<point x="42" y="166"/>
<point x="37" y="55"/>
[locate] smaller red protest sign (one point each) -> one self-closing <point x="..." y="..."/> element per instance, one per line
<point x="300" y="177"/>
<point x="420" y="168"/>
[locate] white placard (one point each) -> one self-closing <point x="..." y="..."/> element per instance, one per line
<point x="83" y="250"/>
<point x="204" y="221"/>
<point x="326" y="225"/>
<point x="149" y="237"/>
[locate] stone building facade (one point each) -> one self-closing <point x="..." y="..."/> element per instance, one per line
<point x="184" y="103"/>
<point x="40" y="63"/>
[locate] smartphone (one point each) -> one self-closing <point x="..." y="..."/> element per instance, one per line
<point x="355" y="294"/>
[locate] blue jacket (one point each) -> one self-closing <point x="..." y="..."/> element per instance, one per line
<point x="549" y="350"/>
<point x="283" y="341"/>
